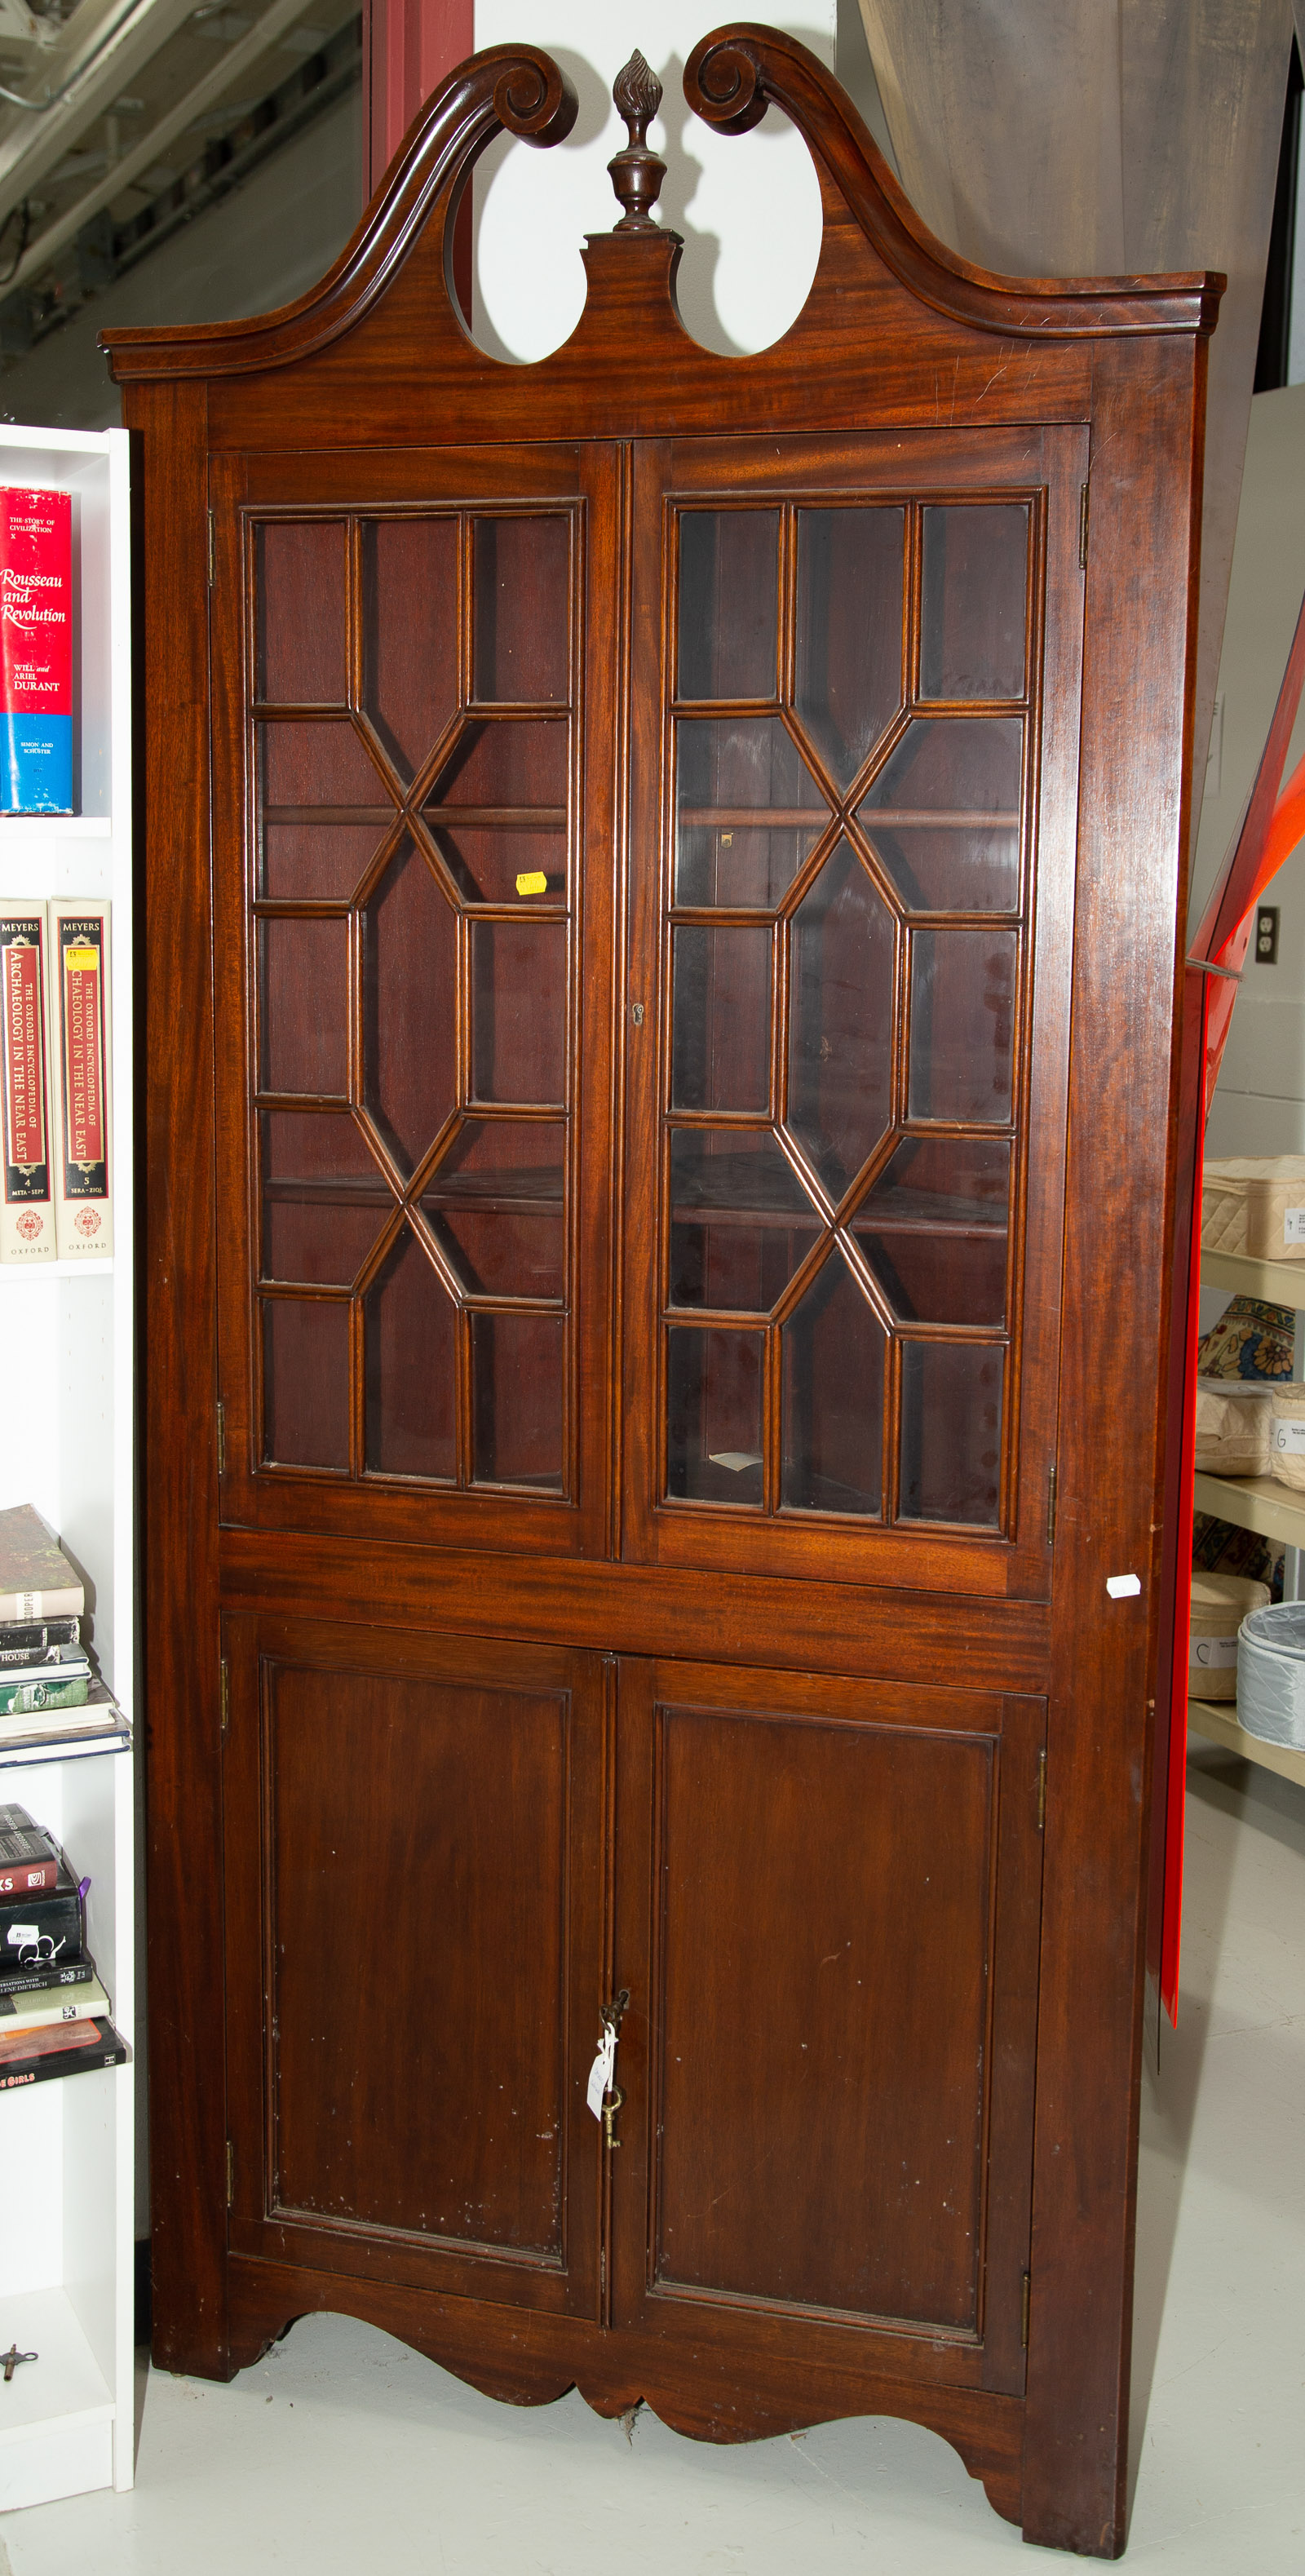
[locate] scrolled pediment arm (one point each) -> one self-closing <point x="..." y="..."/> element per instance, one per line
<point x="517" y="89"/>
<point x="737" y="72"/>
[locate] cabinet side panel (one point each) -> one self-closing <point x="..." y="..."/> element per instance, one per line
<point x="179" y="1484"/>
<point x="1141" y="573"/>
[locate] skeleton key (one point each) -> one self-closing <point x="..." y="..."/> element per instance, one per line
<point x="611" y="2106"/>
<point x="12" y="2358"/>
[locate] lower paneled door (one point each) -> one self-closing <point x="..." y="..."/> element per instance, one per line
<point x="444" y="1856"/>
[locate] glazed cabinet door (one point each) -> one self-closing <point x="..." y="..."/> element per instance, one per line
<point x="413" y="741"/>
<point x="413" y="1874"/>
<point x="853" y="814"/>
<point x="828" y="1912"/>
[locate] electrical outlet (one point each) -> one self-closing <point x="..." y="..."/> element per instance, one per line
<point x="1266" y="934"/>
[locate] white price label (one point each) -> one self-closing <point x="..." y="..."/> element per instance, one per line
<point x="1293" y="1225"/>
<point x="21" y="1933"/>
<point x="1214" y="1654"/>
<point x="602" y="2072"/>
<point x="1289" y="1438"/>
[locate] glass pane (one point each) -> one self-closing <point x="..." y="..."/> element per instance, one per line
<point x="409" y="972"/>
<point x="833" y="1361"/>
<point x="720" y="1035"/>
<point x="522" y="584"/>
<point x="729" y="603"/>
<point x="944" y="814"/>
<point x="518" y="1010"/>
<point x="495" y="1162"/>
<point x="306" y="1381"/>
<point x="301" y="632"/>
<point x="975" y="572"/>
<point x="318" y="773"/>
<point x="324" y="1200"/>
<point x="849" y="631"/>
<point x="934" y="1230"/>
<point x="496" y="1203"/>
<point x="304" y="1006"/>
<point x="316" y="860"/>
<point x="517" y="1374"/>
<point x="750" y="811"/>
<point x="962" y="1023"/>
<point x="410" y="634"/>
<point x="513" y="866"/>
<point x="410" y="1338"/>
<point x="840" y="1048"/>
<point x="740" y="1219"/>
<point x="512" y="774"/>
<point x="951" y="1431"/>
<point x="713" y="1430"/>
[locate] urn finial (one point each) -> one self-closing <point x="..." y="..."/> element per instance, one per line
<point x="636" y="173"/>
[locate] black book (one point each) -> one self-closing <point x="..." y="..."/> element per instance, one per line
<point x="66" y="2048"/>
<point x="57" y="1972"/>
<point x="42" y="1931"/>
<point x="20" y="1647"/>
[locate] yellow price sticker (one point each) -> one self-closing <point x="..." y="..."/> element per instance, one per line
<point x="534" y="882"/>
<point x="83" y="961"/>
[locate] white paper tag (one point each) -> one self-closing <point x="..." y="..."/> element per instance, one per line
<point x="21" y="1933"/>
<point x="1289" y="1437"/>
<point x="1123" y="1587"/>
<point x="1293" y="1225"/>
<point x="602" y="2071"/>
<point x="1215" y="1654"/>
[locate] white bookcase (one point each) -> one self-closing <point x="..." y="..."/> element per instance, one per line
<point x="67" y="2159"/>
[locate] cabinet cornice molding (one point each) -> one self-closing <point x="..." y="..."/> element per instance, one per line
<point x="731" y="78"/>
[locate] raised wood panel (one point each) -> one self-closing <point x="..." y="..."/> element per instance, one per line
<point x="830" y="2125"/>
<point x="414" y="1901"/>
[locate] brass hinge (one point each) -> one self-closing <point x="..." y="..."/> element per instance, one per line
<point x="231" y="2178"/>
<point x="1051" y="1507"/>
<point x="1042" y="1784"/>
<point x="1024" y="2314"/>
<point x="1082" y="529"/>
<point x="224" y="1694"/>
<point x="210" y="549"/>
<point x="222" y="1439"/>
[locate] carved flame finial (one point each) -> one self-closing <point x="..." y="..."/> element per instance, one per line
<point x="636" y="173"/>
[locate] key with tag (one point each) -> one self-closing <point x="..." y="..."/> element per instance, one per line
<point x="602" y="2070"/>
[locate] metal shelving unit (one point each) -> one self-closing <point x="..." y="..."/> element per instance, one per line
<point x="1256" y="1503"/>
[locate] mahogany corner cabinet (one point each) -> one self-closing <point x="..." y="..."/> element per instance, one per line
<point x="663" y="885"/>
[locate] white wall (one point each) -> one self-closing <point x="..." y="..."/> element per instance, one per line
<point x="748" y="207"/>
<point x="1259" y="1106"/>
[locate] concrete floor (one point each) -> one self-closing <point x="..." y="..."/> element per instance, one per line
<point x="345" y="2452"/>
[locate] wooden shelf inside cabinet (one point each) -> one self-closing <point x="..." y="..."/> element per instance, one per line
<point x="1216" y="1720"/>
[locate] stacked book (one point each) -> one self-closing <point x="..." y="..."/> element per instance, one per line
<point x="54" y="2012"/>
<point x="47" y="1686"/>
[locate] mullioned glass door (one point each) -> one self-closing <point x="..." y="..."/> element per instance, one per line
<point x="851" y="937"/>
<point x="399" y="851"/>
